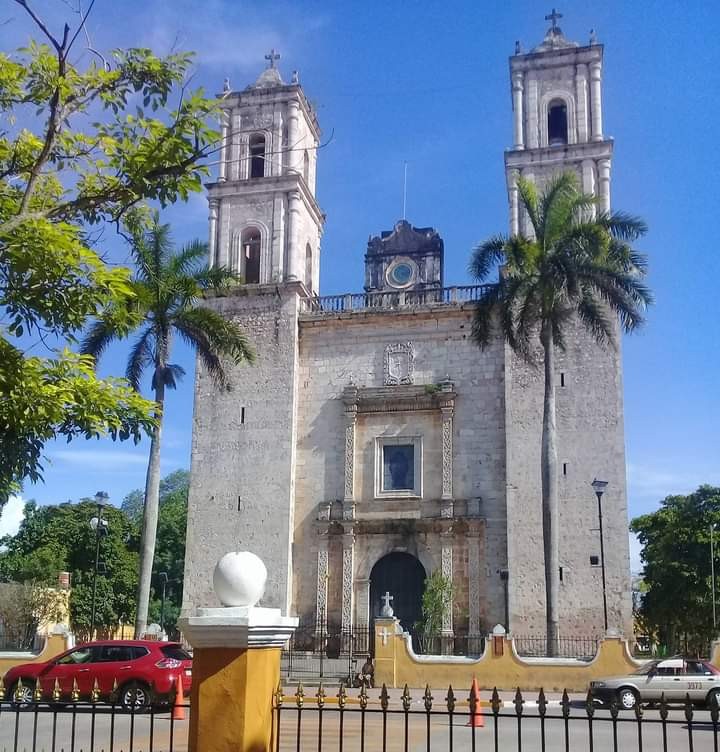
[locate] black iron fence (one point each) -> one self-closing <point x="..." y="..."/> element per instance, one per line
<point x="326" y="652"/>
<point x="565" y="647"/>
<point x="479" y="721"/>
<point x="87" y="726"/>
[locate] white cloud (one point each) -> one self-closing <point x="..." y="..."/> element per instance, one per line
<point x="11" y="516"/>
<point x="652" y="483"/>
<point x="99" y="459"/>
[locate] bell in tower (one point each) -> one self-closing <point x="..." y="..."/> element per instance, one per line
<point x="557" y="118"/>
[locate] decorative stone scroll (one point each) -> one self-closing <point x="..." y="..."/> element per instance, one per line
<point x="447" y="572"/>
<point x="447" y="452"/>
<point x="347" y="581"/>
<point x="399" y="363"/>
<point x="473" y="542"/>
<point x="351" y="409"/>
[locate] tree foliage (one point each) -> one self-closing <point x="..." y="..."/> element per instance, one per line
<point x="80" y="147"/>
<point x="436" y="601"/>
<point x="677" y="600"/>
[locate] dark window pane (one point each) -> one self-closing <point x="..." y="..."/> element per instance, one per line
<point x="398" y="467"/>
<point x="116" y="653"/>
<point x="176" y="652"/>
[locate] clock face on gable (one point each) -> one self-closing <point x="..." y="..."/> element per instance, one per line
<point x="401" y="273"/>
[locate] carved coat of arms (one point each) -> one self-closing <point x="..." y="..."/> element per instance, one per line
<point x="399" y="361"/>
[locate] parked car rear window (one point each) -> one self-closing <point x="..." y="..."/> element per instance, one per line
<point x="138" y="651"/>
<point x="176" y="651"/>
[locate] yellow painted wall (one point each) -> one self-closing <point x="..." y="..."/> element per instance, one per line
<point x="395" y="666"/>
<point x="54" y="645"/>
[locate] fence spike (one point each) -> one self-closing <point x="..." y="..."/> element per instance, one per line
<point x="18" y="690"/>
<point x="542" y="703"/>
<point x="638" y="711"/>
<point x="320" y="696"/>
<point x="279" y="695"/>
<point x="590" y="704"/>
<point x="614" y="709"/>
<point x="384" y="698"/>
<point x="95" y="694"/>
<point x="450" y="699"/>
<point x="56" y="693"/>
<point x="2" y="689"/>
<point x="495" y="702"/>
<point x="688" y="708"/>
<point x="663" y="707"/>
<point x="518" y="702"/>
<point x="473" y="697"/>
<point x="406" y="699"/>
<point x="299" y="696"/>
<point x="428" y="698"/>
<point x="363" y="697"/>
<point x="714" y="707"/>
<point x="75" y="694"/>
<point x="342" y="695"/>
<point x="37" y="694"/>
<point x="565" y="704"/>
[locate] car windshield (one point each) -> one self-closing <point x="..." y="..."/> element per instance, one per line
<point x="646" y="669"/>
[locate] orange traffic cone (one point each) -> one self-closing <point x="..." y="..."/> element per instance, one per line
<point x="178" y="711"/>
<point x="476" y="718"/>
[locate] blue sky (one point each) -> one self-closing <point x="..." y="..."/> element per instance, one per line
<point x="427" y="83"/>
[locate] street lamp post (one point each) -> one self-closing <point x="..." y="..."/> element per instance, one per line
<point x="505" y="576"/>
<point x="99" y="525"/>
<point x="712" y="573"/>
<point x="599" y="488"/>
<point x="164" y="580"/>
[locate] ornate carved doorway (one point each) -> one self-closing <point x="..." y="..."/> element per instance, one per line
<point x="403" y="576"/>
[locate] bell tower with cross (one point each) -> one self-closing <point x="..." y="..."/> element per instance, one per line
<point x="557" y="118"/>
<point x="265" y="223"/>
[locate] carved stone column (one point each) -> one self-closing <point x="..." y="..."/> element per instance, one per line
<point x="604" y="184"/>
<point x="596" y="100"/>
<point x="347" y="581"/>
<point x="514" y="203"/>
<point x="323" y="574"/>
<point x="473" y="544"/>
<point x="242" y="156"/>
<point x="517" y="90"/>
<point x="581" y="75"/>
<point x="213" y="205"/>
<point x="224" y="135"/>
<point x="446" y="564"/>
<point x="446" y="400"/>
<point x="350" y="397"/>
<point x="294" y="252"/>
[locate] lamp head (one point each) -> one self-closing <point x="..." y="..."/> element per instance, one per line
<point x="102" y="499"/>
<point x="599" y="486"/>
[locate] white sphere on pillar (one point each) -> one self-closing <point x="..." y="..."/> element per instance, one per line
<point x="239" y="579"/>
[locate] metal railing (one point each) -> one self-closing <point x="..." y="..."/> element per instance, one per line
<point x="483" y="721"/>
<point x="567" y="647"/>
<point x="368" y="301"/>
<point x="325" y="652"/>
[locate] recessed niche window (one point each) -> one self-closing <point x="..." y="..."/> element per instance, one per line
<point x="557" y="123"/>
<point x="398" y="466"/>
<point x="250" y="243"/>
<point x="257" y="155"/>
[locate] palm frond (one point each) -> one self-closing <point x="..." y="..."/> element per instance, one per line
<point x="529" y="201"/>
<point x="216" y="278"/>
<point x="169" y="375"/>
<point x="486" y="308"/>
<point x="140" y="358"/>
<point x="486" y="257"/>
<point x="593" y="316"/>
<point x="623" y="225"/>
<point x="98" y="338"/>
<point x="187" y="261"/>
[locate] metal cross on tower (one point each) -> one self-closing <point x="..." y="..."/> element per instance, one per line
<point x="553" y="18"/>
<point x="272" y="56"/>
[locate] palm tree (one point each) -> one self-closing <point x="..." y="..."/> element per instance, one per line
<point x="577" y="266"/>
<point x="168" y="288"/>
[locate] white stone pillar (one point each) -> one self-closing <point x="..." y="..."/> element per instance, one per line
<point x="604" y="184"/>
<point x="295" y="271"/>
<point x="532" y="136"/>
<point x="293" y="146"/>
<point x="526" y="226"/>
<point x="447" y="452"/>
<point x="581" y="110"/>
<point x="349" y="485"/>
<point x="446" y="564"/>
<point x="213" y="205"/>
<point x="513" y="200"/>
<point x="517" y="90"/>
<point x="596" y="99"/>
<point x="323" y="574"/>
<point x="588" y="182"/>
<point x="224" y="135"/>
<point x="242" y="157"/>
<point x="347" y="582"/>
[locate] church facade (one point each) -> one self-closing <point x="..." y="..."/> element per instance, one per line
<point x="373" y="443"/>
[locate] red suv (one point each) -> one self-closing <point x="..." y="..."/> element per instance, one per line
<point x="145" y="672"/>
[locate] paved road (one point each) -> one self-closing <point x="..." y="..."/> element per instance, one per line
<point x="391" y="729"/>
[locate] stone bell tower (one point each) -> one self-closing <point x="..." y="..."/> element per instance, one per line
<point x="557" y="118"/>
<point x="265" y="223"/>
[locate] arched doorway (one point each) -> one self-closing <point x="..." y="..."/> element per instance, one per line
<point x="403" y="576"/>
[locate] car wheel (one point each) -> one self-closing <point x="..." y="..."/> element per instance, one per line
<point x="25" y="696"/>
<point x="713" y="699"/>
<point x="627" y="698"/>
<point x="135" y="696"/>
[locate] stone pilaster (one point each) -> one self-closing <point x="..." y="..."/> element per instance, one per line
<point x="604" y="184"/>
<point x="350" y="397"/>
<point x="517" y="91"/>
<point x="581" y="109"/>
<point x="348" y="557"/>
<point x="473" y="545"/>
<point x="596" y="99"/>
<point x="295" y="271"/>
<point x="446" y="565"/>
<point x="224" y="136"/>
<point x="514" y="199"/>
<point x="213" y="205"/>
<point x="323" y="574"/>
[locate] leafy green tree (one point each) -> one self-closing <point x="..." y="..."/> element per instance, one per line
<point x="677" y="603"/>
<point x="59" y="538"/>
<point x="575" y="267"/>
<point x="174" y="485"/>
<point x="80" y="147"/>
<point x="436" y="601"/>
<point x="168" y="288"/>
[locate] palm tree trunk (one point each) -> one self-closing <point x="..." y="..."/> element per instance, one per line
<point x="549" y="462"/>
<point x="150" y="517"/>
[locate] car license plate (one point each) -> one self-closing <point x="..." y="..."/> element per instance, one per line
<point x="188" y="672"/>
